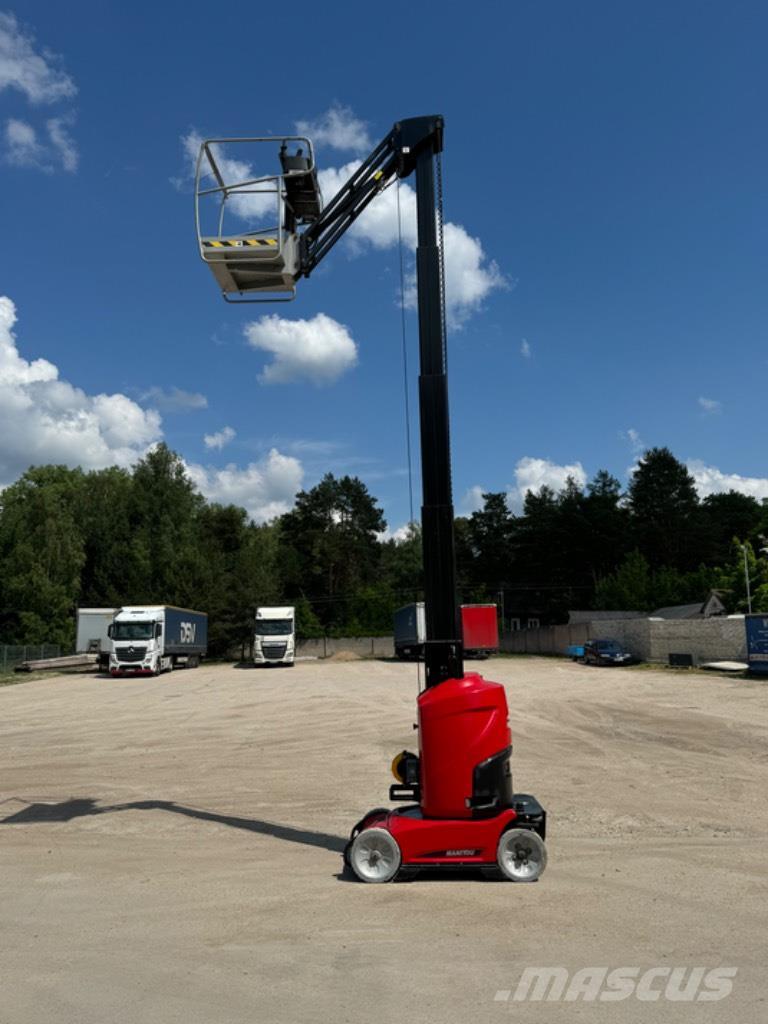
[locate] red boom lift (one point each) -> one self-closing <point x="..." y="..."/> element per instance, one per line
<point x="462" y="809"/>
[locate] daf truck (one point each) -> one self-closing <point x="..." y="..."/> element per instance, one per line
<point x="274" y="641"/>
<point x="150" y="639"/>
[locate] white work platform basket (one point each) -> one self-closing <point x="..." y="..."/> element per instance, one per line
<point x="247" y="223"/>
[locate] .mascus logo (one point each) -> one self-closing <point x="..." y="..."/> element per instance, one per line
<point x="651" y="984"/>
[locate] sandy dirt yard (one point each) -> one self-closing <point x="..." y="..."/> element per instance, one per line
<point x="170" y="849"/>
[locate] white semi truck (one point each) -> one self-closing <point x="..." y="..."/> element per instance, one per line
<point x="274" y="641"/>
<point x="150" y="639"/>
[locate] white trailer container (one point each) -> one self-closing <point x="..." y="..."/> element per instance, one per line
<point x="93" y="633"/>
<point x="274" y="641"/>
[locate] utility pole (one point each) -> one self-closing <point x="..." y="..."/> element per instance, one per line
<point x="746" y="578"/>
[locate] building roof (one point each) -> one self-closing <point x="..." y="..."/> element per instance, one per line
<point x="707" y="609"/>
<point x="603" y="616"/>
<point x="679" y="611"/>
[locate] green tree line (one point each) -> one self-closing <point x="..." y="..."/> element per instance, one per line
<point x="71" y="538"/>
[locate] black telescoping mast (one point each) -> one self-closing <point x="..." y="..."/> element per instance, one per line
<point x="443" y="653"/>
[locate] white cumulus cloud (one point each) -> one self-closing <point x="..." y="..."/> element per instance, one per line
<point x="252" y="207"/>
<point x="470" y="276"/>
<point x="266" y="488"/>
<point x="37" y="74"/>
<point x="710" y="405"/>
<point x="337" y="127"/>
<point x="525" y="349"/>
<point x="711" y="480"/>
<point x="632" y="437"/>
<point x="532" y="474"/>
<point x="399" y="535"/>
<point x="174" y="399"/>
<point x="24" y="147"/>
<point x="319" y="350"/>
<point x="39" y="77"/>
<point x="472" y="500"/>
<point x="44" y="419"/>
<point x="62" y="142"/>
<point x="219" y="439"/>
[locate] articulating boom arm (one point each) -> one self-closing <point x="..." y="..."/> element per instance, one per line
<point x="268" y="261"/>
<point x="395" y="155"/>
<point x="413" y="145"/>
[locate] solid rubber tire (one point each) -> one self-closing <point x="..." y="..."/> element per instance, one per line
<point x="509" y="855"/>
<point x="374" y="856"/>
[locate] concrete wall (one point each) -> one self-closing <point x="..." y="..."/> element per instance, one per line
<point x="364" y="646"/>
<point x="548" y="640"/>
<point x="715" y="639"/>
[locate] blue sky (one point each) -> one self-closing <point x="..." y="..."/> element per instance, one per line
<point x="605" y="179"/>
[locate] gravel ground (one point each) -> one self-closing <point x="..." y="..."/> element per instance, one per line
<point x="170" y="848"/>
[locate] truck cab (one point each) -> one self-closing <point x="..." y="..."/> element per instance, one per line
<point x="274" y="638"/>
<point x="136" y="635"/>
<point x="149" y="640"/>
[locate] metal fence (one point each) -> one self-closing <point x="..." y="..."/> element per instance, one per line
<point x="12" y="655"/>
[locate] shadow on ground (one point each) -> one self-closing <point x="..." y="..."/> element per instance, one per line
<point x="67" y="810"/>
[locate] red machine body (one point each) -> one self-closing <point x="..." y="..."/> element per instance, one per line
<point x="480" y="629"/>
<point x="463" y="723"/>
<point x="437" y="842"/>
<point x="467" y="814"/>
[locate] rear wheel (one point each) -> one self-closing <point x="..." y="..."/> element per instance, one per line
<point x="374" y="855"/>
<point x="521" y="855"/>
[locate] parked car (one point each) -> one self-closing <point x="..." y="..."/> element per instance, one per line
<point x="606" y="652"/>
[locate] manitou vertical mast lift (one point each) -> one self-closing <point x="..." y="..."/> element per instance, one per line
<point x="462" y="809"/>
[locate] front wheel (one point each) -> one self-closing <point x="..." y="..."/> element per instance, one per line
<point x="521" y="855"/>
<point x="374" y="855"/>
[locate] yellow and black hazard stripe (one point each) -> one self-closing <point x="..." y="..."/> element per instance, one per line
<point x="237" y="243"/>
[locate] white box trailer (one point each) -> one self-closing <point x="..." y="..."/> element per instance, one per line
<point x="92" y="635"/>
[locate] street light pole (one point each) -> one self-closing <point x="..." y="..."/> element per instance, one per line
<point x="746" y="579"/>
